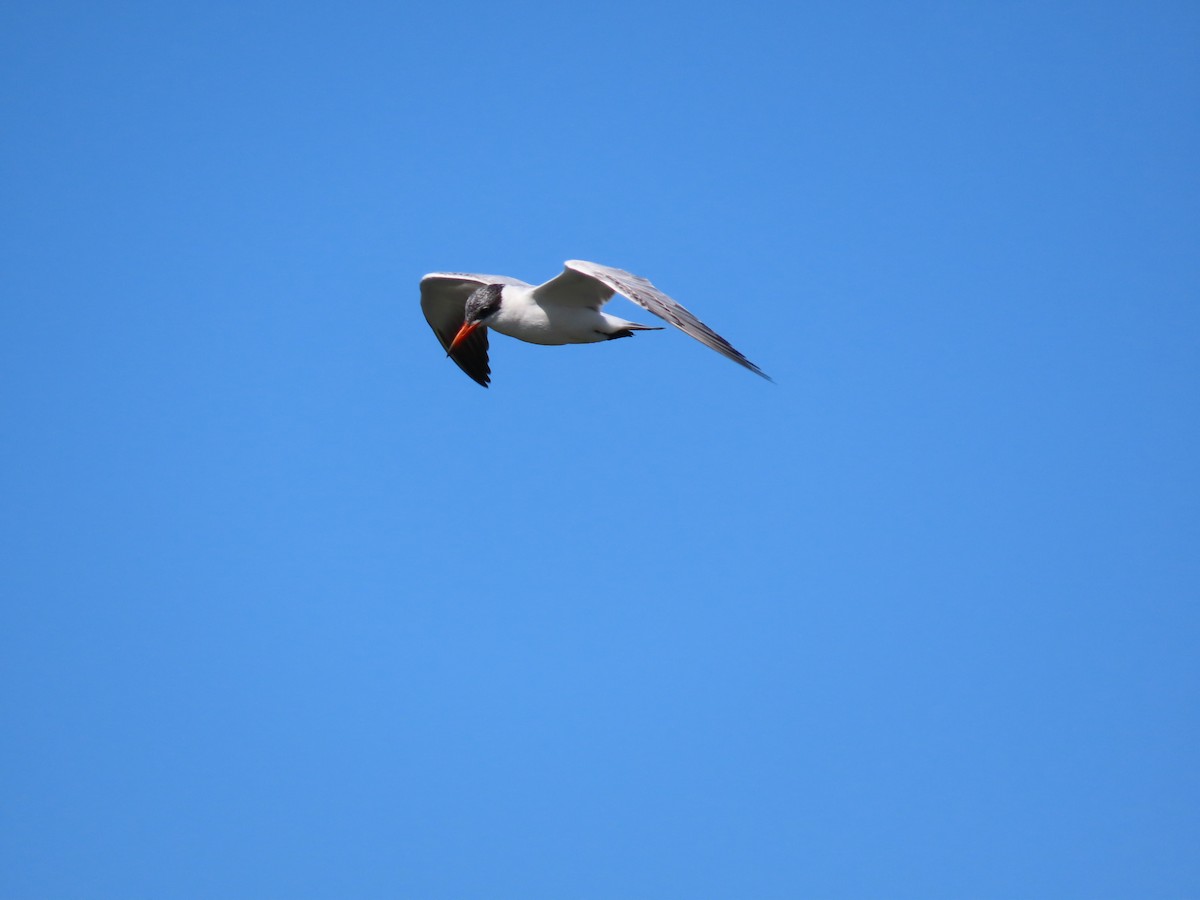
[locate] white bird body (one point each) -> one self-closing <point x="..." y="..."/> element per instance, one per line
<point x="461" y="307"/>
<point x="521" y="316"/>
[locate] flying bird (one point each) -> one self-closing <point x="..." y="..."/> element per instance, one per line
<point x="460" y="308"/>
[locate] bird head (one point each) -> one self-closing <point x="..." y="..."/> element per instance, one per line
<point x="482" y="306"/>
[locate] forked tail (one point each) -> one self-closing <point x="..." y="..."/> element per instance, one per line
<point x="630" y="327"/>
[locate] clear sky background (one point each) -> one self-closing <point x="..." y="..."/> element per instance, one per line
<point x="291" y="608"/>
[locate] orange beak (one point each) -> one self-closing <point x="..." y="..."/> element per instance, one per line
<point x="463" y="334"/>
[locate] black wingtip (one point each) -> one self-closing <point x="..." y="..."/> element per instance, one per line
<point x="745" y="363"/>
<point x="758" y="371"/>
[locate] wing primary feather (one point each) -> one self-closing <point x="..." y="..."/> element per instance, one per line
<point x="443" y="301"/>
<point x="646" y="295"/>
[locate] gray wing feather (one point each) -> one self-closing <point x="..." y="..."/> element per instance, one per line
<point x="650" y="298"/>
<point x="444" y="302"/>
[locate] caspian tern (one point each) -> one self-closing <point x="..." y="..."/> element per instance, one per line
<point x="460" y="308"/>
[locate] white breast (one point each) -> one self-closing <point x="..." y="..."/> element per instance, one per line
<point x="522" y="317"/>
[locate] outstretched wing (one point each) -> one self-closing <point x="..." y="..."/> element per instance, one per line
<point x="572" y="286"/>
<point x="444" y="302"/>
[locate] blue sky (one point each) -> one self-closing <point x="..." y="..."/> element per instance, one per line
<point x="291" y="608"/>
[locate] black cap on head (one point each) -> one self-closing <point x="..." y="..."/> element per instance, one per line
<point x="483" y="302"/>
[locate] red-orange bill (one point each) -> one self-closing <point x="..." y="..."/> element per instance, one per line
<point x="463" y="334"/>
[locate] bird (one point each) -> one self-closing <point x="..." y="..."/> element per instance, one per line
<point x="461" y="307"/>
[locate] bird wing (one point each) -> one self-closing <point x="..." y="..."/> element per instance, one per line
<point x="444" y="303"/>
<point x="577" y="287"/>
<point x="588" y="284"/>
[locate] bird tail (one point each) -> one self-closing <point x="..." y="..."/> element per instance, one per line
<point x="628" y="328"/>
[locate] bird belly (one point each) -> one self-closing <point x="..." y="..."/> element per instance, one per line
<point x="540" y="325"/>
